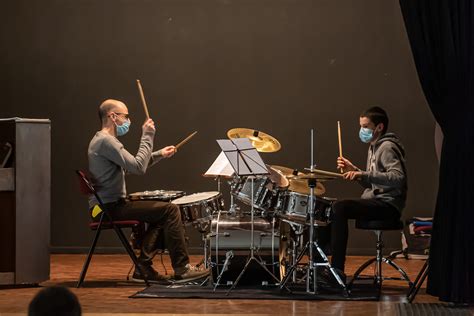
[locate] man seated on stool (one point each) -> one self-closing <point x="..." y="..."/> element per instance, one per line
<point x="108" y="163"/>
<point x="385" y="183"/>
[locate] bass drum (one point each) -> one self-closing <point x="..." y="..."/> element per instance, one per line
<point x="229" y="249"/>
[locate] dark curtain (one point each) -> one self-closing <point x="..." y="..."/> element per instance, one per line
<point x="441" y="37"/>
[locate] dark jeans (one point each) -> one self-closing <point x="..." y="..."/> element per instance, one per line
<point x="368" y="209"/>
<point x="159" y="216"/>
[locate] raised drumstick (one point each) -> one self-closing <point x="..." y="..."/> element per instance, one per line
<point x="140" y="89"/>
<point x="340" y="141"/>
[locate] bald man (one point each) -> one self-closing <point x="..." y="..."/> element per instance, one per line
<point x="108" y="163"/>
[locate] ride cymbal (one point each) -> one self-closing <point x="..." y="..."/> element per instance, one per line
<point x="261" y="141"/>
<point x="301" y="186"/>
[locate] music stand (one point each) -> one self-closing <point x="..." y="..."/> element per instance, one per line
<point x="246" y="161"/>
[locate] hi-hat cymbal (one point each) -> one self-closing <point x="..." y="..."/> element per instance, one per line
<point x="301" y="186"/>
<point x="318" y="174"/>
<point x="260" y="140"/>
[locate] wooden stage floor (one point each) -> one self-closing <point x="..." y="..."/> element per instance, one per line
<point x="102" y="295"/>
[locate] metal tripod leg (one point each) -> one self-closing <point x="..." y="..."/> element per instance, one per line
<point x="289" y="272"/>
<point x="420" y="278"/>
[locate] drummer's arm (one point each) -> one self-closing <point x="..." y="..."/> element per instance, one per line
<point x="363" y="181"/>
<point x="165" y="152"/>
<point x="155" y="157"/>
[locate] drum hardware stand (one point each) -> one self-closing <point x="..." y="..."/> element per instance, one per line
<point x="240" y="151"/>
<point x="252" y="246"/>
<point x="420" y="278"/>
<point x="312" y="244"/>
<point x="228" y="256"/>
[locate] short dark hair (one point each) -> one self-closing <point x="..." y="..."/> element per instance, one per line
<point x="377" y="115"/>
<point x="56" y="300"/>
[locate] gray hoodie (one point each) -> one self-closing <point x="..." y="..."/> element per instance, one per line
<point x="386" y="175"/>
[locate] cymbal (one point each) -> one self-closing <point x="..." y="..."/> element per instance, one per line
<point x="277" y="177"/>
<point x="320" y="175"/>
<point x="301" y="186"/>
<point x="261" y="141"/>
<point x="287" y="172"/>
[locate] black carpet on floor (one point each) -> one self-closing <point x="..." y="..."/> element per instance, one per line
<point x="359" y="292"/>
<point x="431" y="309"/>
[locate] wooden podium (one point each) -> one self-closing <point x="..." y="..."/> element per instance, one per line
<point x="25" y="201"/>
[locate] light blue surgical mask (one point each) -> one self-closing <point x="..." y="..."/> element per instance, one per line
<point x="366" y="134"/>
<point x="122" y="129"/>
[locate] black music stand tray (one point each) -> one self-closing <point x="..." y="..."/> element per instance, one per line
<point x="246" y="161"/>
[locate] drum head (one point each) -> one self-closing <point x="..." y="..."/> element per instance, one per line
<point x="195" y="197"/>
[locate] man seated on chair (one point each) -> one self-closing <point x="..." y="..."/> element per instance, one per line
<point x="108" y="163"/>
<point x="384" y="180"/>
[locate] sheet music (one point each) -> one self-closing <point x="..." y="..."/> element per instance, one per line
<point x="220" y="167"/>
<point x="253" y="164"/>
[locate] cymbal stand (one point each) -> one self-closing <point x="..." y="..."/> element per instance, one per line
<point x="252" y="245"/>
<point x="312" y="244"/>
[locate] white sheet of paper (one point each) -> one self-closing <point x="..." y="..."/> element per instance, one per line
<point x="220" y="167"/>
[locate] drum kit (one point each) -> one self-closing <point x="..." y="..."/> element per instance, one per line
<point x="287" y="202"/>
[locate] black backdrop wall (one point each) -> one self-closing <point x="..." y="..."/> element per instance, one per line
<point x="279" y="66"/>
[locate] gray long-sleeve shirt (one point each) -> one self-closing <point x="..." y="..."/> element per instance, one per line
<point x="109" y="161"/>
<point x="386" y="175"/>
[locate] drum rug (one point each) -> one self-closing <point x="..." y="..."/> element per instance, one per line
<point x="431" y="309"/>
<point x="359" y="292"/>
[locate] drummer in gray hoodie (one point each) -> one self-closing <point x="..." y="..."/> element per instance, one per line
<point x="384" y="181"/>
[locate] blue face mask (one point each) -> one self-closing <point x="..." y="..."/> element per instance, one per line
<point x="123" y="129"/>
<point x="366" y="134"/>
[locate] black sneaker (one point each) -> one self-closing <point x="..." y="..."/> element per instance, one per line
<point x="151" y="275"/>
<point x="192" y="273"/>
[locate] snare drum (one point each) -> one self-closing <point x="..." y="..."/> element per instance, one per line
<point x="199" y="207"/>
<point x="293" y="205"/>
<point x="156" y="195"/>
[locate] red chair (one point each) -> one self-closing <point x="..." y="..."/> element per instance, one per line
<point x="106" y="222"/>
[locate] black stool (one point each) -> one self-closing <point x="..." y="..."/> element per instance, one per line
<point x="379" y="226"/>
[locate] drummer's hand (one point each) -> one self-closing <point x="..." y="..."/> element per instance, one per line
<point x="352" y="175"/>
<point x="148" y="127"/>
<point x="168" y="151"/>
<point x="345" y="164"/>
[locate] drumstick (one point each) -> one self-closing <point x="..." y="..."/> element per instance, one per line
<point x="140" y="89"/>
<point x="184" y="141"/>
<point x="327" y="173"/>
<point x="340" y="141"/>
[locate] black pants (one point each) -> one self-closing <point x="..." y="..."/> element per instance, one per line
<point x="159" y="216"/>
<point x="368" y="209"/>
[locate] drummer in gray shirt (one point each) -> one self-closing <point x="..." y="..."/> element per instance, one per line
<point x="109" y="161"/>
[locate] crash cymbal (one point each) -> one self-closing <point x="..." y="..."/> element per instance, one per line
<point x="287" y="172"/>
<point x="277" y="177"/>
<point x="260" y="140"/>
<point x="301" y="186"/>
